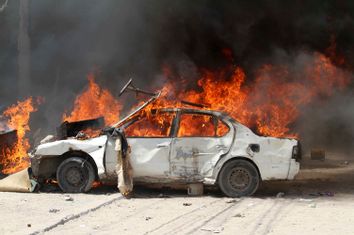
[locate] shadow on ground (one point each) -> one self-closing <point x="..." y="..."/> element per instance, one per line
<point x="316" y="179"/>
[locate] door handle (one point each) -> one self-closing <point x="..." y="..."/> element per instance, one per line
<point x="163" y="145"/>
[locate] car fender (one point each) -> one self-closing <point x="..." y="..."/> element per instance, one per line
<point x="94" y="147"/>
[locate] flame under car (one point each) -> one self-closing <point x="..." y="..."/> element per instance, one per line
<point x="177" y="145"/>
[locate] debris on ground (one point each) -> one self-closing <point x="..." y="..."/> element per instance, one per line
<point x="148" y="218"/>
<point x="313" y="205"/>
<point x="233" y="201"/>
<point x="318" y="194"/>
<point x="18" y="182"/>
<point x="305" y="200"/>
<point x="68" y="198"/>
<point x="213" y="230"/>
<point x="195" y="189"/>
<point x="187" y="204"/>
<point x="161" y="195"/>
<point x="239" y="215"/>
<point x="54" y="210"/>
<point x="280" y="194"/>
<point x="318" y="154"/>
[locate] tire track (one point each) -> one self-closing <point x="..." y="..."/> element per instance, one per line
<point x="69" y="218"/>
<point x="198" y="220"/>
<point x="264" y="224"/>
<point x="274" y="219"/>
<point x="261" y="218"/>
<point x="197" y="228"/>
<point x="218" y="222"/>
<point x="182" y="216"/>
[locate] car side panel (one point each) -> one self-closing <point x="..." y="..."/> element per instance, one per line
<point x="193" y="158"/>
<point x="150" y="157"/>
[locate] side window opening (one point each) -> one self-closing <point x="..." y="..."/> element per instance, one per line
<point x="222" y="128"/>
<point x="197" y="125"/>
<point x="152" y="125"/>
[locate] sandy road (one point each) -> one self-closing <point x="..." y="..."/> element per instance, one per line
<point x="307" y="207"/>
<point x="176" y="213"/>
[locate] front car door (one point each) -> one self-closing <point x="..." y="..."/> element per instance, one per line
<point x="200" y="141"/>
<point x="150" y="140"/>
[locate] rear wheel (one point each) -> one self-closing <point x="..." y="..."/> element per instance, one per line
<point x="75" y="175"/>
<point x="238" y="178"/>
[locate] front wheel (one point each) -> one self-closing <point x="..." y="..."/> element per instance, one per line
<point x="75" y="175"/>
<point x="238" y="178"/>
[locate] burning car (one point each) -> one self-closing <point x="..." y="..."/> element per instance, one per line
<point x="172" y="146"/>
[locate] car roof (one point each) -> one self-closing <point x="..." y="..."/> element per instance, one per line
<point x="191" y="110"/>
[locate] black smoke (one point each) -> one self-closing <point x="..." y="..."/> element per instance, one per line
<point x="131" y="38"/>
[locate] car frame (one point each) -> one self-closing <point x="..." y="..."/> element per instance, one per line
<point x="236" y="162"/>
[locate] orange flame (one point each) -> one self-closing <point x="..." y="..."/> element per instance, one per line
<point x="94" y="102"/>
<point x="15" y="158"/>
<point x="270" y="104"/>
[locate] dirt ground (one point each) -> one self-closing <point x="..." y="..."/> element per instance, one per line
<point x="320" y="201"/>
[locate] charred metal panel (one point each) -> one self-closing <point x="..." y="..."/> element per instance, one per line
<point x="71" y="129"/>
<point x="7" y="140"/>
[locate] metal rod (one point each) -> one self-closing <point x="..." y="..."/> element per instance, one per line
<point x="195" y="104"/>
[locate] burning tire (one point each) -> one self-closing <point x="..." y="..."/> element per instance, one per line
<point x="75" y="175"/>
<point x="238" y="178"/>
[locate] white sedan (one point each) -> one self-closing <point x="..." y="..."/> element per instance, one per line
<point x="177" y="145"/>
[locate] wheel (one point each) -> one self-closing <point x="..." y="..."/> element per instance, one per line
<point x="75" y="175"/>
<point x="238" y="178"/>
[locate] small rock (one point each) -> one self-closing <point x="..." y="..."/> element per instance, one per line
<point x="346" y="163"/>
<point x="305" y="200"/>
<point x="148" y="218"/>
<point x="68" y="198"/>
<point x="233" y="201"/>
<point x="29" y="225"/>
<point x="187" y="204"/>
<point x="280" y="194"/>
<point x="239" y="215"/>
<point x="54" y="210"/>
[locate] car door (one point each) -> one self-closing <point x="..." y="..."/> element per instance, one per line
<point x="150" y="140"/>
<point x="199" y="142"/>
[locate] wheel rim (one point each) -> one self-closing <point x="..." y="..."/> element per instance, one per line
<point x="74" y="176"/>
<point x="239" y="178"/>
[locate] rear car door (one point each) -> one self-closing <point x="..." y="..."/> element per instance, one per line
<point x="150" y="140"/>
<point x="199" y="142"/>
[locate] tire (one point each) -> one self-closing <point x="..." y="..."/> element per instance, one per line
<point x="238" y="178"/>
<point x="75" y="175"/>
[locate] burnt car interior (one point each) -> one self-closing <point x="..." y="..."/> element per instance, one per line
<point x="175" y="123"/>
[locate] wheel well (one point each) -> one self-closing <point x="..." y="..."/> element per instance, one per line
<point x="240" y="158"/>
<point x="82" y="155"/>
